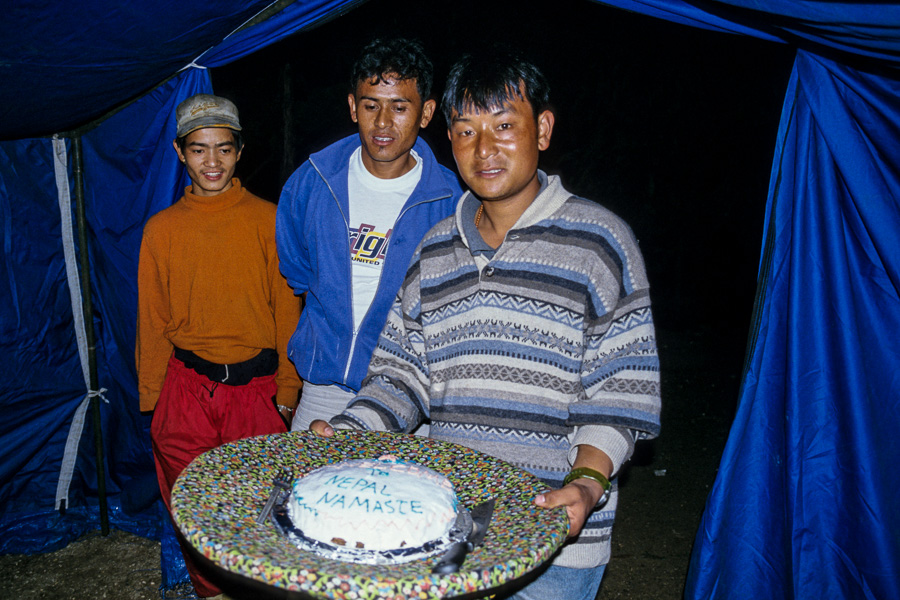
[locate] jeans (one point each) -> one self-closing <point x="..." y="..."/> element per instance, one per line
<point x="562" y="583"/>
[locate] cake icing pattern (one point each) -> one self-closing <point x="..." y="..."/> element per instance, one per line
<point x="373" y="504"/>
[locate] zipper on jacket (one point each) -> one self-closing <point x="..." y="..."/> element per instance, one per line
<point x="354" y="329"/>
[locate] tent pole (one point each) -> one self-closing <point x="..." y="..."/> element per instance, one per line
<point x="87" y="308"/>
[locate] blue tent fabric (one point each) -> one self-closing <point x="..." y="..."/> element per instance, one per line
<point x="57" y="76"/>
<point x="869" y="30"/>
<point x="128" y="176"/>
<point x="33" y="279"/>
<point x="40" y="340"/>
<point x="806" y="502"/>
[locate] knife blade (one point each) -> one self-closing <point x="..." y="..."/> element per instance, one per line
<point x="452" y="560"/>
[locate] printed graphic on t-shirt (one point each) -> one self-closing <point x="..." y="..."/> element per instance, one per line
<point x="367" y="246"/>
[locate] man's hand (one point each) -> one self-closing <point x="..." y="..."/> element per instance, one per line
<point x="322" y="428"/>
<point x="579" y="498"/>
<point x="581" y="495"/>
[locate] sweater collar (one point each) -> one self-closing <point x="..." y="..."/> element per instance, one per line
<point x="550" y="197"/>
<point x="226" y="199"/>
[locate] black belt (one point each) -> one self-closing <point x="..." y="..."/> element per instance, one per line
<point x="263" y="364"/>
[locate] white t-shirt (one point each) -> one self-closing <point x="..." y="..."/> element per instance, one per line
<point x="375" y="205"/>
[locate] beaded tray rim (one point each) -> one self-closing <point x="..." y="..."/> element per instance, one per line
<point x="216" y="499"/>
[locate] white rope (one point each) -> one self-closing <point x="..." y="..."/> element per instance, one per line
<point x="193" y="64"/>
<point x="60" y="168"/>
<point x="101" y="393"/>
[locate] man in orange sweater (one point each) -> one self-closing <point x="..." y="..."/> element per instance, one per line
<point x="214" y="313"/>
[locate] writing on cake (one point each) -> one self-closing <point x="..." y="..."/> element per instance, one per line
<point x="373" y="504"/>
<point x="378" y="501"/>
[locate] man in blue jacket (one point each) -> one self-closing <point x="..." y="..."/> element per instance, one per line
<point x="350" y="218"/>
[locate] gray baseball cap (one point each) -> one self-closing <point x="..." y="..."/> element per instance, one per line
<point x="205" y="110"/>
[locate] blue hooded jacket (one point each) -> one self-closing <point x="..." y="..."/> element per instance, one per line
<point x="313" y="236"/>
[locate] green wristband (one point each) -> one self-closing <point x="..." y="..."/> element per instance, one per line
<point x="587" y="473"/>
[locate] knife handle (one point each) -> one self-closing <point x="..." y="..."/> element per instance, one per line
<point x="453" y="558"/>
<point x="267" y="508"/>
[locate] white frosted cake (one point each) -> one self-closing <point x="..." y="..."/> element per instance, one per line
<point x="373" y="504"/>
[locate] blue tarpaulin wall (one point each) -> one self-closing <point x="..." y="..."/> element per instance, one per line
<point x="806" y="502"/>
<point x="52" y="84"/>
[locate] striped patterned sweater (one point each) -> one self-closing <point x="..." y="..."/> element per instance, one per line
<point x="548" y="345"/>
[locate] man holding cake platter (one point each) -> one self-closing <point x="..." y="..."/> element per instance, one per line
<point x="349" y="220"/>
<point x="523" y="327"/>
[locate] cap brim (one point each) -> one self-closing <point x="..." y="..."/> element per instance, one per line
<point x="203" y="123"/>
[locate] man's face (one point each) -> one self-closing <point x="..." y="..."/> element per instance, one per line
<point x="496" y="150"/>
<point x="210" y="157"/>
<point x="389" y="115"/>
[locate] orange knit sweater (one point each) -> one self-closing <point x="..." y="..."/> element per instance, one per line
<point x="208" y="282"/>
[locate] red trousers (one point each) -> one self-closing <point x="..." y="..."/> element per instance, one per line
<point x="194" y="415"/>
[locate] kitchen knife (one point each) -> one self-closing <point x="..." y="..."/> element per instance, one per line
<point x="453" y="558"/>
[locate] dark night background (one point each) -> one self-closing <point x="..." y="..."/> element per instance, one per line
<point x="671" y="127"/>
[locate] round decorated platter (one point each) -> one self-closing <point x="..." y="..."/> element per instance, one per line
<point x="218" y="497"/>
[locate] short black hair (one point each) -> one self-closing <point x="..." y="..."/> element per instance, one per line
<point x="394" y="56"/>
<point x="490" y="78"/>
<point x="238" y="140"/>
